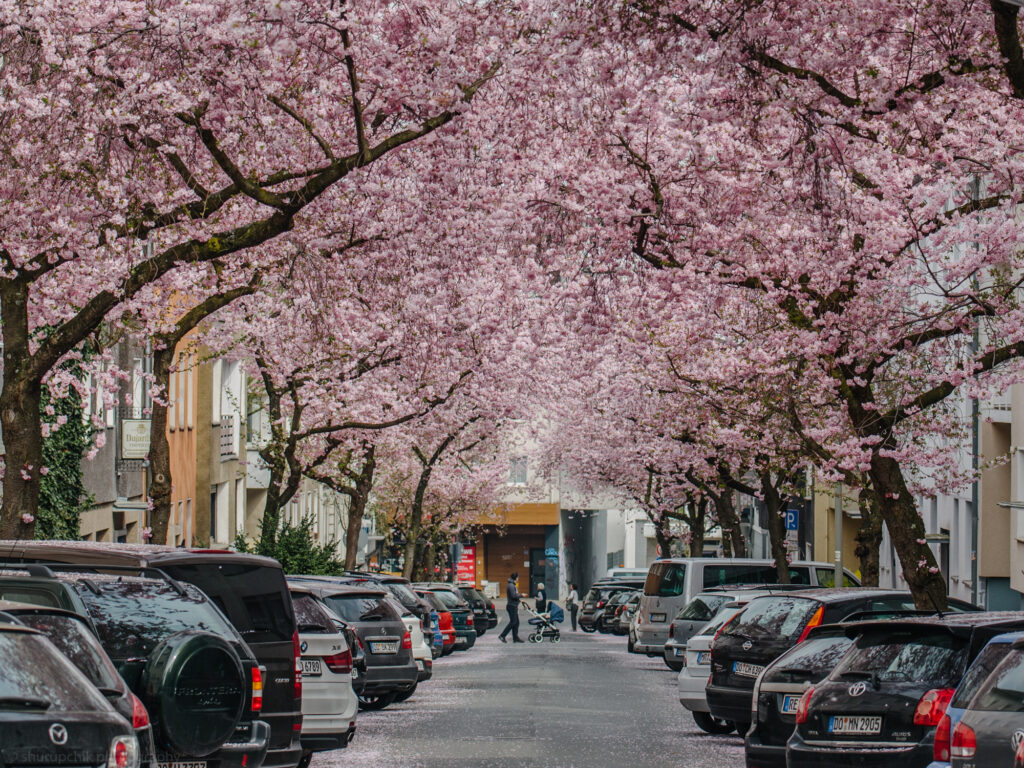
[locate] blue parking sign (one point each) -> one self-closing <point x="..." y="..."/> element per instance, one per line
<point x="792" y="519"/>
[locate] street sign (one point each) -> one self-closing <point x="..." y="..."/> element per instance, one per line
<point x="466" y="565"/>
<point x="792" y="519"/>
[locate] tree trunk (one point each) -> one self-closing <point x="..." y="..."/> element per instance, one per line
<point x="907" y="531"/>
<point x="697" y="522"/>
<point x="429" y="561"/>
<point x="19" y="418"/>
<point x="662" y="535"/>
<point x="160" y="451"/>
<point x="730" y="524"/>
<point x="773" y="502"/>
<point x="357" y="506"/>
<point x="869" y="538"/>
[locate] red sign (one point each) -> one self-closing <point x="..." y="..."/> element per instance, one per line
<point x="466" y="567"/>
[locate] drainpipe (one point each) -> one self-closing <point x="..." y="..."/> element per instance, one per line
<point x="838" y="533"/>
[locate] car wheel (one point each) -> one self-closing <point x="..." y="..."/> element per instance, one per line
<point x="404" y="695"/>
<point x="588" y="629"/>
<point x="741" y="728"/>
<point x="675" y="666"/>
<point x="710" y="724"/>
<point x="629" y="645"/>
<point x="305" y="760"/>
<point x="371" y="703"/>
<point x="448" y="650"/>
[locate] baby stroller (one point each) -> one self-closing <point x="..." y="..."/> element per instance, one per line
<point x="545" y="623"/>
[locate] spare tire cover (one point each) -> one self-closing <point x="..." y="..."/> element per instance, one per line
<point x="195" y="691"/>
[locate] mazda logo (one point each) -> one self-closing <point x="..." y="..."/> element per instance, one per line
<point x="858" y="689"/>
<point x="747" y="645"/>
<point x="58" y="734"/>
<point x="1017" y="738"/>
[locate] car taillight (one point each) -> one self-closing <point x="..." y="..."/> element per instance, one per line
<point x="600" y="603"/>
<point x="814" y="622"/>
<point x="140" y="717"/>
<point x="257" y="689"/>
<point x="803" y="706"/>
<point x="964" y="743"/>
<point x="932" y="706"/>
<point x="124" y="752"/>
<point x="1018" y="759"/>
<point x="340" y="663"/>
<point x="940" y="750"/>
<point x="298" y="665"/>
<point x="671" y="631"/>
<point x="407" y="641"/>
<point x="469" y="621"/>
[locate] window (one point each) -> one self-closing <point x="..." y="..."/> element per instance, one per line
<point x="361" y="608"/>
<point x="182" y="391"/>
<point x="702" y="608"/>
<point x="1003" y="690"/>
<point x="218" y="375"/>
<point x="990" y="658"/>
<point x="721" y="575"/>
<point x="309" y="616"/>
<point x="517" y="471"/>
<point x="138" y="388"/>
<point x="816" y="655"/>
<point x="239" y="505"/>
<point x="665" y="580"/>
<point x="827" y="578"/>
<point x="906" y="656"/>
<point x="172" y="396"/>
<point x="43" y="678"/>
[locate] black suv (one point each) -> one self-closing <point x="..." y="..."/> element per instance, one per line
<point x="771" y="625"/>
<point x="390" y="667"/>
<point x="50" y="714"/>
<point x="175" y="650"/>
<point x="881" y="704"/>
<point x="250" y="590"/>
<point x="462" y="614"/>
<point x="478" y="604"/>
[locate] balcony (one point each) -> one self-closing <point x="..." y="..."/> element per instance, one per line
<point x="997" y="408"/>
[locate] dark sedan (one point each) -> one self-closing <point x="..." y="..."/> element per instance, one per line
<point x="462" y="614"/>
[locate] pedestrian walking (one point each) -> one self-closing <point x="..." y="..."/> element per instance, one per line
<point x="574" y="605"/>
<point x="542" y="598"/>
<point x="512" y="597"/>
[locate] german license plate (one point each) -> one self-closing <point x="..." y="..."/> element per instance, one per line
<point x="790" y="704"/>
<point x="855" y="725"/>
<point x="184" y="764"/>
<point x="312" y="667"/>
<point x="743" y="669"/>
<point x="704" y="657"/>
<point x="379" y="646"/>
<point x="658" y="617"/>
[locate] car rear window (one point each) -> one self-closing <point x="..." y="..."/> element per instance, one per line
<point x="1003" y="690"/>
<point x="450" y="599"/>
<point x="665" y="580"/>
<point x="720" y="618"/>
<point x="42" y="678"/>
<point x="309" y="616"/>
<point x="253" y="596"/>
<point x="991" y="656"/>
<point x="403" y="593"/>
<point x="133" y="616"/>
<point x="827" y="578"/>
<point x="721" y="575"/>
<point x="905" y="656"/>
<point x="75" y="641"/>
<point x="362" y="608"/>
<point x="775" y="617"/>
<point x="813" y="658"/>
<point x="702" y="608"/>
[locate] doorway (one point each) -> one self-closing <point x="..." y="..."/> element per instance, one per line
<point x="538" y="564"/>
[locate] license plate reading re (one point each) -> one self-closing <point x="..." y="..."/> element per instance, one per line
<point x="855" y="725"/>
<point x="790" y="703"/>
<point x="312" y="667"/>
<point x="658" y="617"/>
<point x="384" y="646"/>
<point x="743" y="669"/>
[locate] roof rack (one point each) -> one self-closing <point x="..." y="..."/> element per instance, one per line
<point x="46" y="570"/>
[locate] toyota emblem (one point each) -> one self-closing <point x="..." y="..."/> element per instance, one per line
<point x="1017" y="738"/>
<point x="858" y="689"/>
<point x="58" y="734"/>
<point x="747" y="645"/>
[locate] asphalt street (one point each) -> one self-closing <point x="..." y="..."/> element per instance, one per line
<point x="584" y="702"/>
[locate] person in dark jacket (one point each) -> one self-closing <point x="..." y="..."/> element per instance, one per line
<point x="513" y="598"/>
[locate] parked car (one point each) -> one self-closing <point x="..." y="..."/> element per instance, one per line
<point x="196" y="677"/>
<point x="606" y="619"/>
<point x="882" y="703"/>
<point x="693" y="677"/>
<point x="478" y="604"/>
<point x="595" y="600"/>
<point x="445" y="622"/>
<point x="329" y="702"/>
<point x="74" y="638"/>
<point x="620" y="574"/>
<point x="672" y="583"/>
<point x="249" y="589"/>
<point x="984" y="664"/>
<point x="779" y="688"/>
<point x="400" y="587"/>
<point x="620" y="624"/>
<point x="51" y="714"/>
<point x="769" y="626"/>
<point x="420" y="648"/>
<point x="462" y="614"/>
<point x="390" y="668"/>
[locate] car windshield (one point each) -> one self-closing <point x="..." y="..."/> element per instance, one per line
<point x="1003" y="690"/>
<point x="665" y="580"/>
<point x="73" y="638"/>
<point x="310" y="617"/>
<point x="132" y="616"/>
<point x="990" y="657"/>
<point x="904" y="656"/>
<point x="702" y="607"/>
<point x="812" y="659"/>
<point x="362" y="607"/>
<point x="776" y="617"/>
<point x="43" y="679"/>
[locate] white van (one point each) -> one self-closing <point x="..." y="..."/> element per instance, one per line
<point x="627" y="573"/>
<point x="672" y="583"/>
